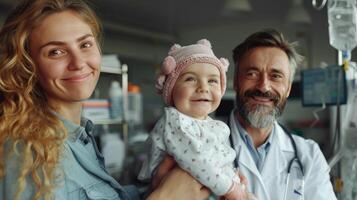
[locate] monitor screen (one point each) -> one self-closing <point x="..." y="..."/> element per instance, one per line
<point x="324" y="85"/>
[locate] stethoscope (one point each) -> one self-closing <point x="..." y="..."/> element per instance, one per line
<point x="295" y="158"/>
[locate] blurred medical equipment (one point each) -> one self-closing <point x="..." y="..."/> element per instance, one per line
<point x="349" y="147"/>
<point x="324" y="86"/>
<point x="349" y="124"/>
<point x="342" y="19"/>
<point x="348" y="154"/>
<point x="342" y="24"/>
<point x="345" y="141"/>
<point x="113" y="150"/>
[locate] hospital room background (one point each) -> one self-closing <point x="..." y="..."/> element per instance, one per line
<point x="138" y="33"/>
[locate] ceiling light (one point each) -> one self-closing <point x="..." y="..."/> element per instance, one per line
<point x="298" y="14"/>
<point x="237" y="5"/>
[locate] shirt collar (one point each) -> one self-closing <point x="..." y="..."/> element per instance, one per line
<point x="75" y="131"/>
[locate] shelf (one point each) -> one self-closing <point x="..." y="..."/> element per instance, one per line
<point x="111" y="70"/>
<point x="111" y="65"/>
<point x="123" y="69"/>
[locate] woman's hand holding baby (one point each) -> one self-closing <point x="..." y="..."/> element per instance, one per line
<point x="171" y="182"/>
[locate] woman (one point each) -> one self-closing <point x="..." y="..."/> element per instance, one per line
<point x="50" y="62"/>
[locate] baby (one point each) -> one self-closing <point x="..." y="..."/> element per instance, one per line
<point x="192" y="82"/>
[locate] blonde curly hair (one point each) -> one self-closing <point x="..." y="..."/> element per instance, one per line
<point x="26" y="118"/>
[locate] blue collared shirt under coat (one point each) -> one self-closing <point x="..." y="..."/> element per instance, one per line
<point x="258" y="154"/>
<point x="81" y="172"/>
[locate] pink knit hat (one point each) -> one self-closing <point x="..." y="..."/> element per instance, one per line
<point x="181" y="57"/>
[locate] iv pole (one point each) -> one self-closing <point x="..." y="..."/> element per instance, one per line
<point x="343" y="58"/>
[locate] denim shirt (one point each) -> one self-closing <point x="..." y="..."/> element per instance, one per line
<point x="80" y="174"/>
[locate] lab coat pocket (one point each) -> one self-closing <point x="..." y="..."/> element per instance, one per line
<point x="295" y="190"/>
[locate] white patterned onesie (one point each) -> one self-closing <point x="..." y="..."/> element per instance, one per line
<point x="200" y="147"/>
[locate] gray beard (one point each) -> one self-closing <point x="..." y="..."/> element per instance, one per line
<point x="261" y="117"/>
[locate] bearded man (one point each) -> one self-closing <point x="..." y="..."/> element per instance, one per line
<point x="277" y="165"/>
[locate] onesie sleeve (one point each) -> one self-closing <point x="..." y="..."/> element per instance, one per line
<point x="184" y="144"/>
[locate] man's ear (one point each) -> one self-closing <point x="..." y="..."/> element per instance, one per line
<point x="289" y="89"/>
<point x="235" y="79"/>
<point x="235" y="83"/>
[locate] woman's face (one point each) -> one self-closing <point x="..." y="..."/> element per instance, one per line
<point x="67" y="56"/>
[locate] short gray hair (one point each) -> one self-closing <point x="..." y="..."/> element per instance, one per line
<point x="268" y="38"/>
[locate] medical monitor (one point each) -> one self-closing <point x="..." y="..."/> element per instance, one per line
<point x="324" y="85"/>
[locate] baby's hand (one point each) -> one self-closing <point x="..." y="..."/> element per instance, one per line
<point x="237" y="192"/>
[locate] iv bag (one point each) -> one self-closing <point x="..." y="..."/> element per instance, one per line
<point x="342" y="17"/>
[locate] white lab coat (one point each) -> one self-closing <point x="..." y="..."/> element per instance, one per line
<point x="270" y="183"/>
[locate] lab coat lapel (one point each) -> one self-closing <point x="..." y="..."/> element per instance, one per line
<point x="246" y="163"/>
<point x="246" y="160"/>
<point x="275" y="159"/>
<point x="83" y="158"/>
<point x="275" y="166"/>
<point x="244" y="157"/>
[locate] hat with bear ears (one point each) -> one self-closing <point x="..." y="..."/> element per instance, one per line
<point x="180" y="57"/>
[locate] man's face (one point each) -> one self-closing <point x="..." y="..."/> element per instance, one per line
<point x="262" y="85"/>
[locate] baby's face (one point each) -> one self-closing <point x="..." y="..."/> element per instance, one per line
<point x="197" y="91"/>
